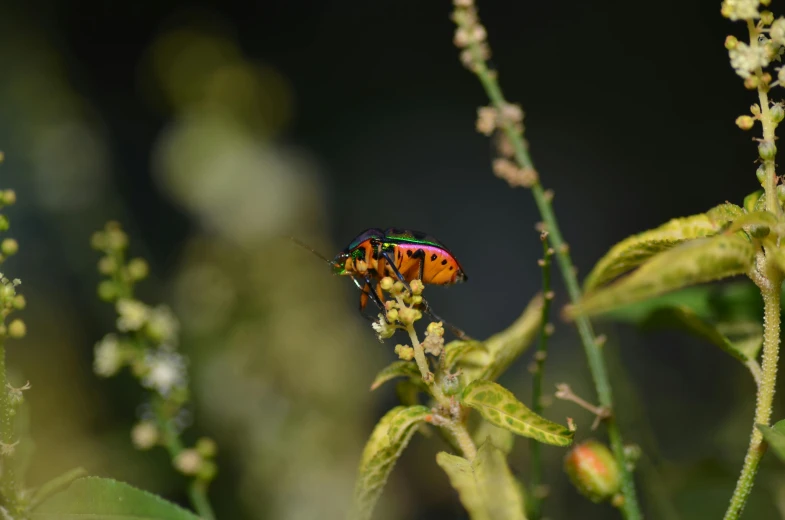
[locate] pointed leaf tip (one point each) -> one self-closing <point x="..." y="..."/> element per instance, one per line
<point x="633" y="251"/>
<point x="697" y="261"/>
<point x="499" y="406"/>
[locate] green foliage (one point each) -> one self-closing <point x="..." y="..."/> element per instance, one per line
<point x="775" y="436"/>
<point x="700" y="260"/>
<point x="387" y="442"/>
<point x="633" y="251"/>
<point x="745" y="348"/>
<point x="94" y="498"/>
<point x="485" y="485"/>
<point x="500" y="407"/>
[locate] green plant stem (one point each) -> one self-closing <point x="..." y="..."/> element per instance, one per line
<point x="593" y="351"/>
<point x="197" y="489"/>
<point x="771" y="345"/>
<point x="454" y="423"/>
<point x="8" y="483"/>
<point x="535" y="447"/>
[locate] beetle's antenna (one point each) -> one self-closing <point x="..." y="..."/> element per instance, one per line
<point x="308" y="248"/>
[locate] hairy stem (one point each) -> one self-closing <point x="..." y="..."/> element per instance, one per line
<point x="8" y="483"/>
<point x="535" y="447"/>
<point x="593" y="351"/>
<point x="771" y="345"/>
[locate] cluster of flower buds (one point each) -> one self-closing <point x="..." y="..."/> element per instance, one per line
<point x="401" y="311"/>
<point x="195" y="462"/>
<point x="146" y="342"/>
<point x="10" y="299"/>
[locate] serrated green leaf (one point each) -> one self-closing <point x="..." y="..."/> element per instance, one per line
<point x="499" y="406"/>
<point x="456" y="351"/>
<point x="505" y="347"/>
<point x="500" y="437"/>
<point x="691" y="263"/>
<point x="396" y="369"/>
<point x="775" y="437"/>
<point x="485" y="486"/>
<point x="634" y="250"/>
<point x="93" y="498"/>
<point x="386" y="443"/>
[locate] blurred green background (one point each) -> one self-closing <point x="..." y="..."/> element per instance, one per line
<point x="210" y="129"/>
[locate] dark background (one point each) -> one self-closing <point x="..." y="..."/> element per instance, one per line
<point x="629" y="115"/>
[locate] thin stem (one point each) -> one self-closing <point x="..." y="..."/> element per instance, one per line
<point x="593" y="351"/>
<point x="454" y="421"/>
<point x="425" y="369"/>
<point x="8" y="483"/>
<point x="771" y="345"/>
<point x="535" y="501"/>
<point x="197" y="489"/>
<point x="464" y="440"/>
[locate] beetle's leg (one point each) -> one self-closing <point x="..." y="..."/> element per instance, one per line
<point x="366" y="291"/>
<point x="373" y="295"/>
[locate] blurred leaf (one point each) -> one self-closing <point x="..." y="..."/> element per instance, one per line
<point x="387" y="442"/>
<point x="680" y="317"/>
<point x="775" y="437"/>
<point x="751" y="200"/>
<point x="485" y="486"/>
<point x="408" y="392"/>
<point x="756" y="223"/>
<point x="727" y="302"/>
<point x="499" y="437"/>
<point x="633" y="251"/>
<point x="396" y="369"/>
<point x="498" y="406"/>
<point x="456" y="351"/>
<point x="505" y="347"/>
<point x="694" y="262"/>
<point x="100" y="498"/>
<point x="55" y="485"/>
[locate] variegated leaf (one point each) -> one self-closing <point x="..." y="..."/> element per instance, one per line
<point x="387" y="442"/>
<point x="485" y="486"/>
<point x="499" y="406"/>
<point x="633" y="251"/>
<point x="697" y="261"/>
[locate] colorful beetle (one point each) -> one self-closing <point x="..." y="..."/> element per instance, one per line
<point x="405" y="254"/>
